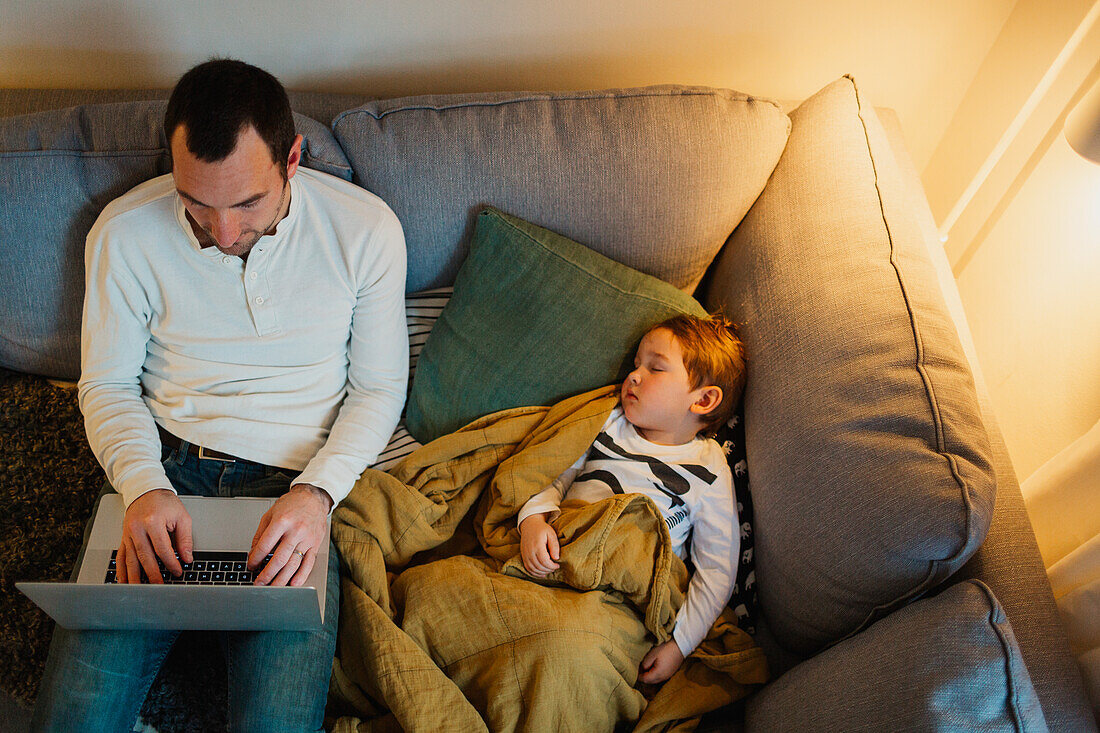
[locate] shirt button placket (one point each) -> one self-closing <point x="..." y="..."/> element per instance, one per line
<point x="262" y="314"/>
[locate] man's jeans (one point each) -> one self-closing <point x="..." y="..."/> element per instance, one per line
<point x="278" y="680"/>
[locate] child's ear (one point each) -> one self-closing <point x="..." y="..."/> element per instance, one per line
<point x="709" y="399"/>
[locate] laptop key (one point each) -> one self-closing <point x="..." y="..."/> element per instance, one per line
<point x="206" y="568"/>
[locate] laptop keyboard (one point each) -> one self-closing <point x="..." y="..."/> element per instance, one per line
<point x="206" y="568"/>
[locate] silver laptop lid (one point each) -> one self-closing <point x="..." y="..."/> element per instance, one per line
<point x="161" y="607"/>
<point x="218" y="524"/>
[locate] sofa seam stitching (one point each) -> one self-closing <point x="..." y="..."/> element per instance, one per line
<point x="82" y="153"/>
<point x="941" y="448"/>
<point x="334" y="164"/>
<point x="139" y="152"/>
<point x="1010" y="678"/>
<point x="740" y="98"/>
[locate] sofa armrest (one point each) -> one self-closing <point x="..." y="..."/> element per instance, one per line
<point x="949" y="662"/>
<point x="1009" y="560"/>
<point x="1010" y="563"/>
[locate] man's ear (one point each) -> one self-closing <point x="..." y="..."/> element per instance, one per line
<point x="709" y="399"/>
<point x="295" y="158"/>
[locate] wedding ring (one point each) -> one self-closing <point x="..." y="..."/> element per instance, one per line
<point x="299" y="554"/>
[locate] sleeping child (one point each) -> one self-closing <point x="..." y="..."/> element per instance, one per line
<point x="688" y="375"/>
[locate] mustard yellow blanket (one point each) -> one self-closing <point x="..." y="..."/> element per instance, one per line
<point x="441" y="629"/>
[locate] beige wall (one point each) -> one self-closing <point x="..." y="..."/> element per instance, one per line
<point x="1021" y="213"/>
<point x="1029" y="43"/>
<point x="917" y="57"/>
<point x="1032" y="296"/>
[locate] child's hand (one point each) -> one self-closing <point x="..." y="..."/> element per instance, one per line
<point x="538" y="546"/>
<point x="660" y="663"/>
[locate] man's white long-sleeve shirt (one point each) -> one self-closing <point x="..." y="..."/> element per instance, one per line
<point x="692" y="486"/>
<point x="296" y="357"/>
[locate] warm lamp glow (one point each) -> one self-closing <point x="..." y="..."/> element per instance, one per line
<point x="1083" y="125"/>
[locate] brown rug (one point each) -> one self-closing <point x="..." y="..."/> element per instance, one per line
<point x="49" y="481"/>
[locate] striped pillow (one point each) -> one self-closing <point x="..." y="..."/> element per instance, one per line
<point x="421" y="312"/>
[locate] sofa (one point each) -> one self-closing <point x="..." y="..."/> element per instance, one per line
<point x="899" y="583"/>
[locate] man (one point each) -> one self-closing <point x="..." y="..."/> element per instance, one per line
<point x="244" y="334"/>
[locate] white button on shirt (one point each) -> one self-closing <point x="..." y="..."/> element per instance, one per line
<point x="312" y="384"/>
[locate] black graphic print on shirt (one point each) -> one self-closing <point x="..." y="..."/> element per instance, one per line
<point x="667" y="480"/>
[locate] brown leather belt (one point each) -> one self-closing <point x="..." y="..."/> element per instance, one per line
<point x="173" y="442"/>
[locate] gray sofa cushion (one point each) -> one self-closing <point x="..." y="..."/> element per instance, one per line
<point x="950" y="663"/>
<point x="58" y="169"/>
<point x="1009" y="561"/>
<point x="655" y="178"/>
<point x="871" y="465"/>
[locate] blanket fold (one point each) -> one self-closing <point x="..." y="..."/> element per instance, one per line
<point x="442" y="629"/>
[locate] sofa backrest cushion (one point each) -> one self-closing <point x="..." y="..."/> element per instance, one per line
<point x="872" y="479"/>
<point x="58" y="169"/>
<point x="655" y="178"/>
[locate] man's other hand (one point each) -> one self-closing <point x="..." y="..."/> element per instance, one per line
<point x="292" y="529"/>
<point x="155" y="525"/>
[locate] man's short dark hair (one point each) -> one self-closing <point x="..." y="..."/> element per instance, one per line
<point x="218" y="99"/>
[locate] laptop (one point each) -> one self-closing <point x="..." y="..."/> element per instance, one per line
<point x="215" y="592"/>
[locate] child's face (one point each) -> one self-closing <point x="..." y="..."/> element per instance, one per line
<point x="657" y="396"/>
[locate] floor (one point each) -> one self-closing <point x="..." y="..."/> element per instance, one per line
<point x="14" y="718"/>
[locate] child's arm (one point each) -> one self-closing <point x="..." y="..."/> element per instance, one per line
<point x="715" y="550"/>
<point x="538" y="544"/>
<point x="715" y="553"/>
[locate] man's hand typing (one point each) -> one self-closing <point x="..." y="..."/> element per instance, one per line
<point x="292" y="529"/>
<point x="155" y="525"/>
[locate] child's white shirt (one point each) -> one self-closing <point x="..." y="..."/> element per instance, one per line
<point x="692" y="486"/>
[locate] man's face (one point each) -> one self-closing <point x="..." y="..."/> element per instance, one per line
<point x="233" y="202"/>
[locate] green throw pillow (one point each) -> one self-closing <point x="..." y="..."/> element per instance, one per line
<point x="535" y="317"/>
